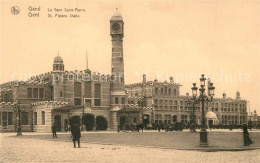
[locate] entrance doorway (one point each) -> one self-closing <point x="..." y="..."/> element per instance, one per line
<point x="146" y="120"/>
<point x="210" y="123"/>
<point x="122" y="121"/>
<point x="57" y="122"/>
<point x="88" y="120"/>
<point x="101" y="123"/>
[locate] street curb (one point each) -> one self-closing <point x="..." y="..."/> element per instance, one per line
<point x="204" y="149"/>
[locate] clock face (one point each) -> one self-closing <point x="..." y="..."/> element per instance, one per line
<point x="116" y="27"/>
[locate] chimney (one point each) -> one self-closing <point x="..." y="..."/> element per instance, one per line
<point x="144" y="78"/>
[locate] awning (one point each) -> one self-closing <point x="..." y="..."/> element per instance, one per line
<point x="67" y="108"/>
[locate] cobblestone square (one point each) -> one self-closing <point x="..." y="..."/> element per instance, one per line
<point x="36" y="147"/>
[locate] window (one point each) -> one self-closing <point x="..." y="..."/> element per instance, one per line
<point x="170" y="91"/>
<point x="88" y="103"/>
<point x="184" y="119"/>
<point x="116" y="100"/>
<point x="156" y="91"/>
<point x="77" y="89"/>
<point x="25" y="118"/>
<point x="35" y="118"/>
<point x="29" y="92"/>
<point x="175" y="102"/>
<point x="161" y="91"/>
<point x="175" y="92"/>
<point x="97" y="91"/>
<point x="165" y="90"/>
<point x="41" y="93"/>
<point x="97" y="95"/>
<point x="123" y="100"/>
<point x="77" y="101"/>
<point x="4" y="118"/>
<point x="97" y="102"/>
<point x="174" y="118"/>
<point x="88" y="89"/>
<point x="43" y="117"/>
<point x="0" y="118"/>
<point x="77" y="93"/>
<point x="61" y="94"/>
<point x="155" y="103"/>
<point x="35" y="93"/>
<point x="10" y="118"/>
<point x="7" y="97"/>
<point x="161" y="103"/>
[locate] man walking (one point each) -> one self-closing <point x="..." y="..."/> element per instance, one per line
<point x="75" y="131"/>
<point x="53" y="128"/>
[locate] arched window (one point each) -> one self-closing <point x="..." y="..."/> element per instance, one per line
<point x="156" y="91"/>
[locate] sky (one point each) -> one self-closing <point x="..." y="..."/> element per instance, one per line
<point x="177" y="38"/>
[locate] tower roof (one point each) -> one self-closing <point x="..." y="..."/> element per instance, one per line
<point x="58" y="60"/>
<point x="116" y="16"/>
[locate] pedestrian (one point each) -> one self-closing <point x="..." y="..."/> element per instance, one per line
<point x="66" y="128"/>
<point x="137" y="126"/>
<point x="159" y="128"/>
<point x="247" y="140"/>
<point x="75" y="130"/>
<point x="53" y="128"/>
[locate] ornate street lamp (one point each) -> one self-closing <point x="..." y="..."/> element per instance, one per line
<point x="18" y="110"/>
<point x="193" y="102"/>
<point x="203" y="98"/>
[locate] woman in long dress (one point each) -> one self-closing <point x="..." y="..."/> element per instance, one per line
<point x="247" y="140"/>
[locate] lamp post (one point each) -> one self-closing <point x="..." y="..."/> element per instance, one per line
<point x="193" y="102"/>
<point x="203" y="98"/>
<point x="18" y="110"/>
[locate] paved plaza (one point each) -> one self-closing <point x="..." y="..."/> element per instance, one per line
<point x="40" y="147"/>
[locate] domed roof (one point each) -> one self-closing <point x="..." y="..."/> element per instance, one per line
<point x="117" y="16"/>
<point x="211" y="115"/>
<point x="58" y="60"/>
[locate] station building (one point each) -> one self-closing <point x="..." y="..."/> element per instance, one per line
<point x="102" y="101"/>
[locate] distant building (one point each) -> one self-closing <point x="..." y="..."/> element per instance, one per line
<point x="254" y="120"/>
<point x="168" y="106"/>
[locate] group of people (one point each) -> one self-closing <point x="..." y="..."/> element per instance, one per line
<point x="75" y="133"/>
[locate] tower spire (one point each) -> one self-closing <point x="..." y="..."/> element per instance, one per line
<point x="87" y="59"/>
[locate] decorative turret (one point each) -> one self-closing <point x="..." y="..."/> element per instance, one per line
<point x="238" y="95"/>
<point x="171" y="80"/>
<point x="58" y="65"/>
<point x="224" y="95"/>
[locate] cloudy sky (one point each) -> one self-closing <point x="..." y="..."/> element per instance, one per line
<point x="162" y="38"/>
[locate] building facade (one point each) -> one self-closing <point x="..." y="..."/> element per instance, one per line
<point x="168" y="106"/>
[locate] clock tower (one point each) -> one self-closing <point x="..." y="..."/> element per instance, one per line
<point x="117" y="67"/>
<point x="118" y="95"/>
